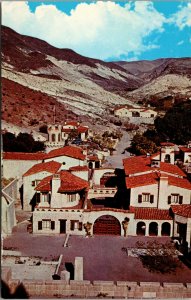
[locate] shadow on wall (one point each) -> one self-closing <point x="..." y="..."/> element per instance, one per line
<point x="70" y="268"/>
<point x="20" y="292"/>
<point x="21" y="195"/>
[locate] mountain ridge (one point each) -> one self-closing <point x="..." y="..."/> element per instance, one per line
<point x="85" y="86"/>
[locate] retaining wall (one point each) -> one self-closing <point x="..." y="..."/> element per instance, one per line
<point x="110" y="289"/>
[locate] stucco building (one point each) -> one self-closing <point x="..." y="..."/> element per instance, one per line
<point x="72" y="197"/>
<point x="58" y="134"/>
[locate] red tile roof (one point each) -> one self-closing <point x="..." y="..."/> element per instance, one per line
<point x="141" y="164"/>
<point x="141" y="180"/>
<point x="166" y="144"/>
<point x="136" y="164"/>
<point x="93" y="158"/>
<point x="183" y="210"/>
<point x="23" y="156"/>
<point x="72" y="123"/>
<point x="82" y="129"/>
<point x="185" y="149"/>
<point x="69" y="183"/>
<point x="79" y="168"/>
<point x="51" y="167"/>
<point x="172" y="169"/>
<point x="179" y="182"/>
<point x="153" y="178"/>
<point x="151" y="213"/>
<point x="71" y="151"/>
<point x="67" y="130"/>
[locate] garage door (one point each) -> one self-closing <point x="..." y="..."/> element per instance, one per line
<point x="107" y="225"/>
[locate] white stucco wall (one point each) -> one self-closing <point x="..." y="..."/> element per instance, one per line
<point x="123" y="112"/>
<point x="16" y="168"/>
<point x="80" y="216"/>
<point x="150" y="189"/>
<point x="29" y="190"/>
<point x="69" y="162"/>
<point x="170" y="189"/>
<point x="98" y="173"/>
<point x="167" y="151"/>
<point x="82" y="174"/>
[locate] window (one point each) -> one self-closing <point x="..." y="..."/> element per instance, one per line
<point x="45" y="197"/>
<point x="52" y="225"/>
<point x="146" y="197"/>
<point x="71" y="197"/>
<point x="39" y="225"/>
<point x="46" y="224"/>
<point x="35" y="182"/>
<point x="74" y="224"/>
<point x="175" y="198"/>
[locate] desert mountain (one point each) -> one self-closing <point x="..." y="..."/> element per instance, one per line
<point x="37" y="76"/>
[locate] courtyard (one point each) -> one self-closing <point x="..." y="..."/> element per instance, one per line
<point x="104" y="256"/>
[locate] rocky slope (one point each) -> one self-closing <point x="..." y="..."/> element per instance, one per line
<point x="37" y="76"/>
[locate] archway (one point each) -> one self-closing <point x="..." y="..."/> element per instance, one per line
<point x="141" y="228"/>
<point x="107" y="225"/>
<point x="53" y="137"/>
<point x="153" y="229"/>
<point x="165" y="231"/>
<point x="167" y="158"/>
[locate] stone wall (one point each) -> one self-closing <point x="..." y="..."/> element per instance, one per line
<point x="110" y="289"/>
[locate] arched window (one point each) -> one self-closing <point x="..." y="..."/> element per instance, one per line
<point x="165" y="231"/>
<point x="59" y="137"/>
<point x="53" y="137"/>
<point x="141" y="228"/>
<point x="153" y="228"/>
<point x="167" y="158"/>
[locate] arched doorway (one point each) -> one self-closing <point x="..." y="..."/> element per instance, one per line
<point x="107" y="225"/>
<point x="153" y="229"/>
<point x="165" y="231"/>
<point x="141" y="228"/>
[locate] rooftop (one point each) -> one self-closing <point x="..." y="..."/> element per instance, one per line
<point x="151" y="213"/>
<point x="68" y="183"/>
<point x="185" y="149"/>
<point x="183" y="210"/>
<point x="24" y="156"/>
<point x="51" y="166"/>
<point x="141" y="164"/>
<point x="70" y="151"/>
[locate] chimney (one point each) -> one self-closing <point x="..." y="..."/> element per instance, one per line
<point x="55" y="183"/>
<point x="163" y="192"/>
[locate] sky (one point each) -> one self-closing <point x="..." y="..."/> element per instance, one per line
<point x="107" y="30"/>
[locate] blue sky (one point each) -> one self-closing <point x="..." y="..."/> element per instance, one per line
<point x="107" y="30"/>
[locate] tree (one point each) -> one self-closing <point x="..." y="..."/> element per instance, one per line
<point x="141" y="145"/>
<point x="43" y="128"/>
<point x="174" y="126"/>
<point x="24" y="142"/>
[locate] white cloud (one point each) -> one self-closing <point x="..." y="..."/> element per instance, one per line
<point x="182" y="17"/>
<point x="100" y="29"/>
<point x="180" y="43"/>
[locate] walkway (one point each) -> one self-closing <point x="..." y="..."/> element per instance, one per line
<point x="116" y="160"/>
